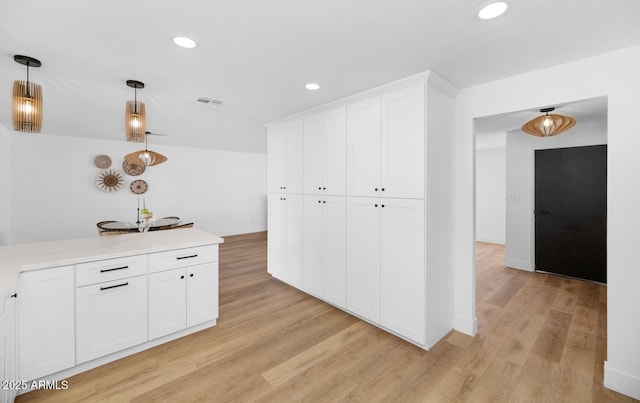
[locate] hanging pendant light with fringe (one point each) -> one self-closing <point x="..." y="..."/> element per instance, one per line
<point x="135" y="119"/>
<point x="27" y="100"/>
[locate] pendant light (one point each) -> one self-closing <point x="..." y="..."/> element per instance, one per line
<point x="135" y="120"/>
<point x="548" y="125"/>
<point x="27" y="100"/>
<point x="146" y="156"/>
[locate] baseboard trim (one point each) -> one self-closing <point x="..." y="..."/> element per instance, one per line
<point x="518" y="264"/>
<point x="466" y="325"/>
<point x="621" y="382"/>
<point x="489" y="239"/>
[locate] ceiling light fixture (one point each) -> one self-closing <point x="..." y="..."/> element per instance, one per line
<point x="146" y="156"/>
<point x="492" y="10"/>
<point x="27" y="100"/>
<point x="184" y="42"/>
<point x="548" y="125"/>
<point x="135" y="119"/>
<point x="312" y="86"/>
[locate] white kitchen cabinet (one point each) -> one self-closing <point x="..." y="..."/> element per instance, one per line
<point x="167" y="302"/>
<point x="385" y="263"/>
<point x="182" y="297"/>
<point x="402" y="159"/>
<point x="402" y="267"/>
<point x="325" y="152"/>
<point x="285" y="232"/>
<point x="325" y="248"/>
<point x="46" y="321"/>
<point x="399" y="258"/>
<point x="8" y="363"/>
<point x="363" y="257"/>
<point x="285" y="157"/>
<point x="202" y="293"/>
<point x="385" y="145"/>
<point x="111" y="316"/>
<point x="363" y="148"/>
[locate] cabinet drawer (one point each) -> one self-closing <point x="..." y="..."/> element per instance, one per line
<point x="182" y="257"/>
<point x="110" y="270"/>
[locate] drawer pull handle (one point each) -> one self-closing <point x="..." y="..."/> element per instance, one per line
<point x="115" y="268"/>
<point x="186" y="257"/>
<point x="113" y="286"/>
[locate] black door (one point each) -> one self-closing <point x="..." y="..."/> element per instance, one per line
<point x="571" y="212"/>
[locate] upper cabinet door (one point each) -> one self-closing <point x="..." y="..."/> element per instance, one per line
<point x="277" y="144"/>
<point x="335" y="152"/>
<point x="325" y="153"/>
<point x="314" y="160"/>
<point x="285" y="157"/>
<point x="363" y="148"/>
<point x="295" y="154"/>
<point x="402" y="149"/>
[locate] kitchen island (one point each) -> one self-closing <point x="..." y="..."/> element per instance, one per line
<point x="77" y="304"/>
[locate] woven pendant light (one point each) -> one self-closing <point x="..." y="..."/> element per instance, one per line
<point x="27" y="100"/>
<point x="135" y="118"/>
<point x="548" y="125"/>
<point x="146" y="156"/>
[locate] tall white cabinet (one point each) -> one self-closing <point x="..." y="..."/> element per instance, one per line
<point x="377" y="207"/>
<point x="324" y="256"/>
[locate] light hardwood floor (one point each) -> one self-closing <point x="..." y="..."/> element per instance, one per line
<point x="541" y="338"/>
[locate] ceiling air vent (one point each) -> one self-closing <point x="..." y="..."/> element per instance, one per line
<point x="210" y="102"/>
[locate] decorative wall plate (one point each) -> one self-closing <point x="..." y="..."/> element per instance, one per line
<point x="110" y="180"/>
<point x="138" y="186"/>
<point x="102" y="161"/>
<point x="132" y="169"/>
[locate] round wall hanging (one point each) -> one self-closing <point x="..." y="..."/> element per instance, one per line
<point x="138" y="186"/>
<point x="110" y="180"/>
<point x="102" y="161"/>
<point x="132" y="169"/>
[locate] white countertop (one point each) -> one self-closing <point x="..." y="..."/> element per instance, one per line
<point x="15" y="259"/>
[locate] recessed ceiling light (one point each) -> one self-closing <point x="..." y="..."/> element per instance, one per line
<point x="184" y="42"/>
<point x="312" y="86"/>
<point x="492" y="10"/>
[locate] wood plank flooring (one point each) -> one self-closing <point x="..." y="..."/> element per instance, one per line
<point x="541" y="338"/>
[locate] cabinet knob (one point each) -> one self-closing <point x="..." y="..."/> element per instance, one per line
<point x="191" y="275"/>
<point x="382" y="206"/>
<point x="181" y="277"/>
<point x="376" y="189"/>
<point x="382" y="189"/>
<point x="324" y="201"/>
<point x="375" y="205"/>
<point x="319" y="201"/>
<point x="324" y="188"/>
<point x="319" y="187"/>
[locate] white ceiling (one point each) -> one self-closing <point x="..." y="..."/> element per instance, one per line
<point x="256" y="55"/>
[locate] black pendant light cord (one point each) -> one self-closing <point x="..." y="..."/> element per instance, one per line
<point x="28" y="92"/>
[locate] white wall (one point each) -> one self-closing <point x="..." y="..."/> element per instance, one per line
<point x="491" y="194"/>
<point x="520" y="245"/>
<point x="614" y="75"/>
<point x="4" y="184"/>
<point x="53" y="194"/>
